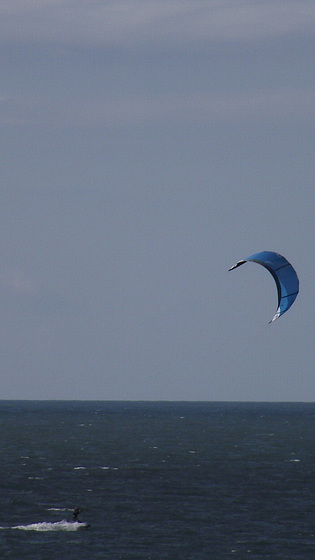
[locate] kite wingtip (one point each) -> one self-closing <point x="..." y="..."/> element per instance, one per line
<point x="237" y="264"/>
<point x="276" y="316"/>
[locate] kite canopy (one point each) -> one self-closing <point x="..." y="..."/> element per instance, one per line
<point x="284" y="275"/>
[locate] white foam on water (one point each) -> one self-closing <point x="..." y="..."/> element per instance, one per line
<point x="57" y="526"/>
<point x="35" y="478"/>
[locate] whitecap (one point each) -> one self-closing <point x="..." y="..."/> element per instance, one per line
<point x="57" y="526"/>
<point x="35" y="478"/>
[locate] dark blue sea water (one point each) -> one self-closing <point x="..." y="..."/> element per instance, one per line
<point x="177" y="481"/>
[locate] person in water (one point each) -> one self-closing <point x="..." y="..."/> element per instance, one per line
<point x="75" y="514"/>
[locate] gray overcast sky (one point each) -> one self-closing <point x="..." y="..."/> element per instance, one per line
<point x="146" y="147"/>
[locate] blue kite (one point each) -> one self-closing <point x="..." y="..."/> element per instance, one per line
<point x="284" y="275"/>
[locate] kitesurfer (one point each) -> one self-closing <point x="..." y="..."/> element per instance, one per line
<point x="75" y="514"/>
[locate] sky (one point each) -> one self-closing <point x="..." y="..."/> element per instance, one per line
<point x="146" y="147"/>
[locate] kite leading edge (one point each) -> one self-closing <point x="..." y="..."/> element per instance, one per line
<point x="284" y="275"/>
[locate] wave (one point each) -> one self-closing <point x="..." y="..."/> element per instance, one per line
<point x="56" y="526"/>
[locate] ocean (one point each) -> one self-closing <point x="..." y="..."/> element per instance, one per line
<point x="157" y="480"/>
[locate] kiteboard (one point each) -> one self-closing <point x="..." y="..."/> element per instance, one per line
<point x="82" y="525"/>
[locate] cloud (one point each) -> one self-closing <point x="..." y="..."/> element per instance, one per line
<point x="16" y="280"/>
<point x="129" y="109"/>
<point x="59" y="86"/>
<point x="21" y="292"/>
<point x="201" y="107"/>
<point x="159" y="23"/>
